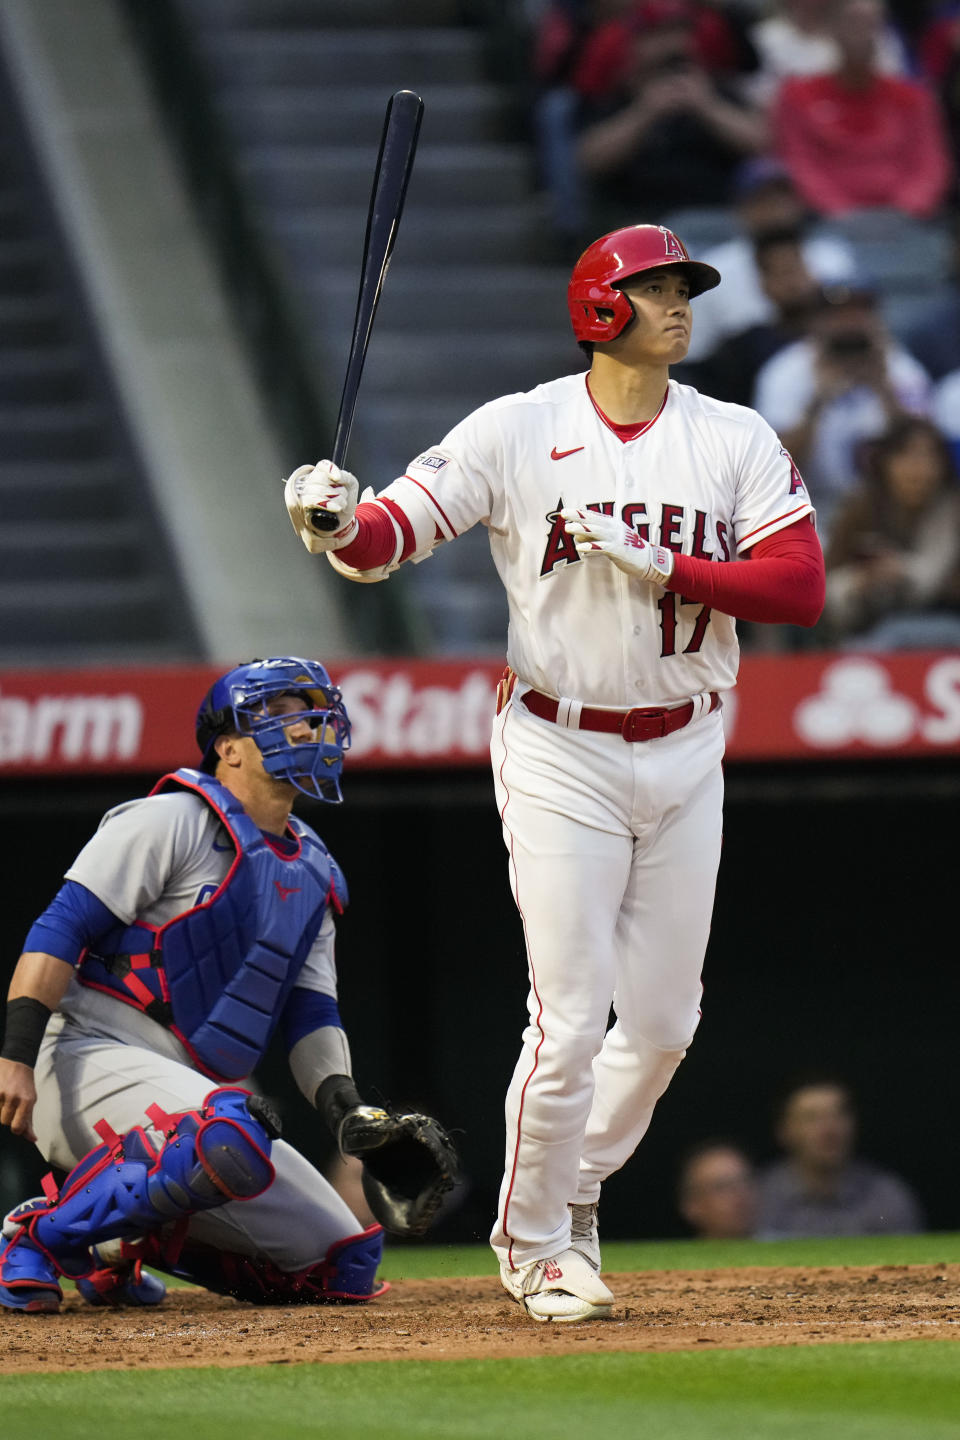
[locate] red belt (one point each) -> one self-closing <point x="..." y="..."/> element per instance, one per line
<point x="650" y="724"/>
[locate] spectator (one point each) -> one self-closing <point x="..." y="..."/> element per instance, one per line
<point x="732" y="369"/>
<point x="585" y="44"/>
<point x="934" y="337"/>
<point x="581" y="61"/>
<point x="893" y="565"/>
<point x="946" y="412"/>
<point x="717" y="1191"/>
<point x="839" y="387"/>
<point x="940" y="58"/>
<point x="798" y="39"/>
<point x="858" y="139"/>
<point x="578" y="55"/>
<point x="674" y="134"/>
<point x="766" y="202"/>
<point x="939" y="42"/>
<point x="820" y="1188"/>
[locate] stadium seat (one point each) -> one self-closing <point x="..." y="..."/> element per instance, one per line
<point x="701" y="227"/>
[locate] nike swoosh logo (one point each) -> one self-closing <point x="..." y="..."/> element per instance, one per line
<point x="556" y="454"/>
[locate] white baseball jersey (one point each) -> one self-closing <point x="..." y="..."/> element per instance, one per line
<point x="704" y="477"/>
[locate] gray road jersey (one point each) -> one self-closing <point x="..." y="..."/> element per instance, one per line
<point x="150" y="860"/>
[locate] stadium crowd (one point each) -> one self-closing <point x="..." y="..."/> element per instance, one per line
<point x="819" y="1184"/>
<point x="809" y="150"/>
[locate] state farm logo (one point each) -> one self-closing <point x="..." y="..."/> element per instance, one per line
<point x="857" y="702"/>
<point x="394" y="716"/>
<point x="79" y="729"/>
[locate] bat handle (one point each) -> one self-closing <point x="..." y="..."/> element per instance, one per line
<point x="329" y="520"/>
<point x="325" y="520"/>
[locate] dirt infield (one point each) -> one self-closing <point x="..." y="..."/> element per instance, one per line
<point x="454" y="1319"/>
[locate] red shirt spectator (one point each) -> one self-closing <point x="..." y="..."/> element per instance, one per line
<point x="853" y="149"/>
<point x="858" y="139"/>
<point x="939" y="42"/>
<point x="589" y="46"/>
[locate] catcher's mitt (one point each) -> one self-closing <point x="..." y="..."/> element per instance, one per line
<point x="409" y="1164"/>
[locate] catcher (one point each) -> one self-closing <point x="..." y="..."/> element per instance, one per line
<point x="194" y="923"/>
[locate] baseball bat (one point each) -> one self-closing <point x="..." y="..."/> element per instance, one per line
<point x="398" y="144"/>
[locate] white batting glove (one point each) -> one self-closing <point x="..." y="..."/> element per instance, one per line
<point x="595" y="534"/>
<point x="322" y="487"/>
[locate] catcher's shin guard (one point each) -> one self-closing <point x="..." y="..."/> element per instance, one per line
<point x="347" y="1274"/>
<point x="128" y="1185"/>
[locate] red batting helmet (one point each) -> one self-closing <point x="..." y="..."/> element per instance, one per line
<point x="606" y="264"/>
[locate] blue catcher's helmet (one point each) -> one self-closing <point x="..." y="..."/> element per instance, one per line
<point x="238" y="702"/>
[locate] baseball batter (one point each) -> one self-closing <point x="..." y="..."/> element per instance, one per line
<point x="191" y="925"/>
<point x="631" y="520"/>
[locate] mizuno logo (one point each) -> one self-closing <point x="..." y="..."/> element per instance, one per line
<point x="556" y="454"/>
<point x="284" y="893"/>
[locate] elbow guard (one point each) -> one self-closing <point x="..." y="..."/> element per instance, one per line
<point x="364" y="577"/>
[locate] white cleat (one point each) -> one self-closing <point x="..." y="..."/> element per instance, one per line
<point x="584" y="1235"/>
<point x="564" y="1289"/>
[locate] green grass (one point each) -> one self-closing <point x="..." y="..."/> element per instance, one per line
<point x="894" y="1390"/>
<point x="430" y="1262"/>
<point x="414" y="1262"/>
<point x="905" y="1391"/>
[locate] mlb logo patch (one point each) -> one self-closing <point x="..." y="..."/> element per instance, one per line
<point x="431" y="462"/>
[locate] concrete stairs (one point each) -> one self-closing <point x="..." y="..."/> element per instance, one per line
<point x="470" y="310"/>
<point x="85" y="572"/>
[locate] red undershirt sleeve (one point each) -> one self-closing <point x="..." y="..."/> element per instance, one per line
<point x="781" y="580"/>
<point x="376" y="541"/>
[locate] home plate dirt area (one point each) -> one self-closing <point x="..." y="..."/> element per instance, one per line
<point x="455" y="1319"/>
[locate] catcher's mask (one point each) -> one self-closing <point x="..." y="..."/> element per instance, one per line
<point x="239" y="702"/>
<point x="599" y="309"/>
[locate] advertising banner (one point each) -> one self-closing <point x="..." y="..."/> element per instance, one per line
<point x="435" y="713"/>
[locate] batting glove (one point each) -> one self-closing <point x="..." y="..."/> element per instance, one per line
<point x="595" y="534"/>
<point x="323" y="486"/>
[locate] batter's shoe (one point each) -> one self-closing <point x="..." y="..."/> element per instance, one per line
<point x="28" y="1279"/>
<point x="584" y="1234"/>
<point x="564" y="1289"/>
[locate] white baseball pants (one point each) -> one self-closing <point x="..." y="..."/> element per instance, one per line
<point x="613" y="855"/>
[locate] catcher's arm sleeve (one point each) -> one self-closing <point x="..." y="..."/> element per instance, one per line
<point x="74" y="920"/>
<point x="316" y="1057"/>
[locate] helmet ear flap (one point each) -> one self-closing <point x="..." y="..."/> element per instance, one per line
<point x="599" y="312"/>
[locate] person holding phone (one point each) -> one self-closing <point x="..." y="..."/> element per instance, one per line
<point x="837" y="388"/>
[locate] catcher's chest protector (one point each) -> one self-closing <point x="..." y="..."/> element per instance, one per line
<point x="218" y="975"/>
